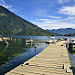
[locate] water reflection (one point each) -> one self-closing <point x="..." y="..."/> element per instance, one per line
<point x="72" y="58"/>
<point x="72" y="50"/>
<point x="17" y="52"/>
<point x="5" y="47"/>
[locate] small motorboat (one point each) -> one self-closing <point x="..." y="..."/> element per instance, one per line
<point x="29" y="41"/>
<point x="49" y="41"/>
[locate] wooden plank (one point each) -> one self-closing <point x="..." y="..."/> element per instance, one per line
<point x="4" y="40"/>
<point x="49" y="62"/>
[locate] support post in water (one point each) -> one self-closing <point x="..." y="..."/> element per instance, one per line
<point x="4" y="40"/>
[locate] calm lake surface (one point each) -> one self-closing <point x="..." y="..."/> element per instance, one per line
<point x="17" y="52"/>
<point x="72" y="58"/>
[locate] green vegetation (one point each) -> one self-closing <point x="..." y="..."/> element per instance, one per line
<point x="63" y="31"/>
<point x="11" y="24"/>
<point x="69" y="34"/>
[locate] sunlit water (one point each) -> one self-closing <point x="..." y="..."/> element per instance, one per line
<point x="17" y="52"/>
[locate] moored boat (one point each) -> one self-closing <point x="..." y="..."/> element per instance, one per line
<point x="72" y="43"/>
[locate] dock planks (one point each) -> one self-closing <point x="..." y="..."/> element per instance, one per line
<point x="49" y="62"/>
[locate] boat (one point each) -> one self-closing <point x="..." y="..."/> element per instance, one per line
<point x="30" y="40"/>
<point x="49" y="41"/>
<point x="72" y="43"/>
<point x="52" y="40"/>
<point x="51" y="37"/>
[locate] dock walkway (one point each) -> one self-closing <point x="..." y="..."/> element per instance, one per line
<point x="49" y="62"/>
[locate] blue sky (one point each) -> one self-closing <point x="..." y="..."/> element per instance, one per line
<point x="47" y="14"/>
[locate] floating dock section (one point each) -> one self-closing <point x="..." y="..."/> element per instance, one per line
<point x="53" y="60"/>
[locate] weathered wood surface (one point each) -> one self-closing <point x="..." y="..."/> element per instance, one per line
<point x="4" y="40"/>
<point x="49" y="62"/>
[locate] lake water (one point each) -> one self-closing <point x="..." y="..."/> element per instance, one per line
<point x="72" y="58"/>
<point x="17" y="52"/>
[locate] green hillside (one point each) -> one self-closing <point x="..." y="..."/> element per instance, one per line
<point x="63" y="31"/>
<point x="11" y="24"/>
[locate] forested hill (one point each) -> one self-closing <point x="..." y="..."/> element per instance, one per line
<point x="11" y="24"/>
<point x="63" y="31"/>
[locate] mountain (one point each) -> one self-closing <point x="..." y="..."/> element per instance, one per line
<point x="63" y="31"/>
<point x="11" y="24"/>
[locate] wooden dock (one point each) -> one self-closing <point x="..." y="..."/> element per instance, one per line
<point x="53" y="60"/>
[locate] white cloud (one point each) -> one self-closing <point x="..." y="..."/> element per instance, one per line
<point x="3" y="3"/>
<point x="68" y="10"/>
<point x="71" y="18"/>
<point x="47" y="21"/>
<point x="63" y="1"/>
<point x="54" y="24"/>
<point x="54" y="17"/>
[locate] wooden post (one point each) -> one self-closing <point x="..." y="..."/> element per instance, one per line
<point x="4" y="40"/>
